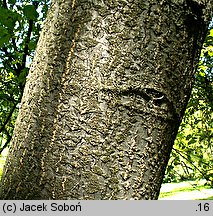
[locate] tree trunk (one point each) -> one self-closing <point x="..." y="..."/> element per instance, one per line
<point x="104" y="99"/>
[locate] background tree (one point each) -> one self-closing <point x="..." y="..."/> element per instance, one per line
<point x="20" y="24"/>
<point x="120" y="92"/>
<point x="192" y="157"/>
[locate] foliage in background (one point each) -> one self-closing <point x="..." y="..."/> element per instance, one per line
<point x="20" y="25"/>
<point x="192" y="155"/>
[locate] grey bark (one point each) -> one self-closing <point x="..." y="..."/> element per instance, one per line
<point x="104" y="99"/>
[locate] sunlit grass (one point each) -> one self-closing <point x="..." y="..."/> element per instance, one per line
<point x="208" y="198"/>
<point x="184" y="189"/>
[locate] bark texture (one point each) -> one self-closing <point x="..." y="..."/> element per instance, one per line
<point x="104" y="99"/>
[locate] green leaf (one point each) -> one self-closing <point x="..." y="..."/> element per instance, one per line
<point x="4" y="36"/>
<point x="211" y="33"/>
<point x="3" y="96"/>
<point x="192" y="141"/>
<point x="8" y="18"/>
<point x="22" y="76"/>
<point x="11" y="1"/>
<point x="30" y="12"/>
<point x="188" y="137"/>
<point x="32" y="45"/>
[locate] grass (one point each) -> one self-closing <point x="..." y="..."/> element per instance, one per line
<point x="184" y="189"/>
<point x="208" y="198"/>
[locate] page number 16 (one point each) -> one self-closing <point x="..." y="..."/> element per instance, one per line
<point x="203" y="207"/>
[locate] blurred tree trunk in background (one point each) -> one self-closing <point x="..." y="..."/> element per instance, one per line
<point x="104" y="99"/>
